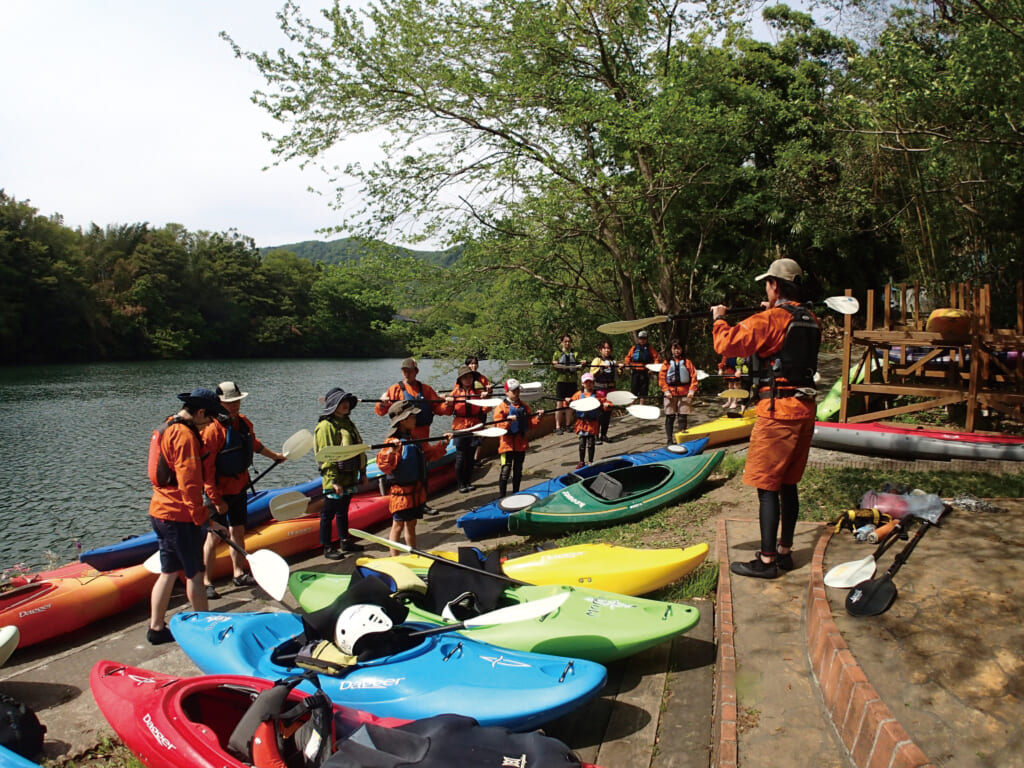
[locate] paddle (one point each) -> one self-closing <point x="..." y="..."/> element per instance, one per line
<point x="870" y="598"/>
<point x="648" y="412"/>
<point x="518" y="365"/>
<point x="734" y="394"/>
<point x="269" y="569"/>
<point x="295" y="447"/>
<point x="431" y="556"/>
<point x="331" y="453"/>
<point x="620" y="397"/>
<point x="853" y="572"/>
<point x="846" y="305"/>
<point x="533" y="609"/>
<point x="289" y="505"/>
<point x="484" y="402"/>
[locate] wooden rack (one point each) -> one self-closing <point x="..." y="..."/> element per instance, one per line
<point x="943" y="370"/>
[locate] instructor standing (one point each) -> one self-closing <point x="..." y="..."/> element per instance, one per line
<point x="783" y="341"/>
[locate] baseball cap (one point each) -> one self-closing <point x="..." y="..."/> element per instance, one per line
<point x="783" y="269"/>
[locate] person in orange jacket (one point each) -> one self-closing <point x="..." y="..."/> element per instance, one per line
<point x="466" y="416"/>
<point x="678" y="381"/>
<point x="588" y="422"/>
<point x="410" y="388"/>
<point x="636" y="360"/>
<point x="176" y="509"/>
<point x="515" y="416"/>
<point x="230" y="443"/>
<point x="405" y="464"/>
<point x="784" y="341"/>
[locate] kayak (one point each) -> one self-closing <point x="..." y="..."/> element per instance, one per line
<point x="172" y="722"/>
<point x="135" y="549"/>
<point x="724" y="429"/>
<point x="441" y="673"/>
<point x="909" y="443"/>
<point x="492" y="519"/>
<point x="615" y="497"/>
<point x="9" y="759"/>
<point x="830" y="405"/>
<point x="606" y="567"/>
<point x="53" y="603"/>
<point x="9" y="637"/>
<point x="599" y="626"/>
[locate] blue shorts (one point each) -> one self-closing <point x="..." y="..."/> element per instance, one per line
<point x="415" y="513"/>
<point x="180" y="546"/>
<point x="237" y="510"/>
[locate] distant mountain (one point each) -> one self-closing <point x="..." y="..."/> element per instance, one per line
<point x="351" y="249"/>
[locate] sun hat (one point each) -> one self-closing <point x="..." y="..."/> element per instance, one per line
<point x="229" y="392"/>
<point x="642" y="335"/>
<point x="783" y="269"/>
<point x="588" y="376"/>
<point x="410" y="362"/>
<point x="399" y="412"/>
<point x="511" y="384"/>
<point x="333" y="399"/>
<point x="204" y="398"/>
<point x="465" y="370"/>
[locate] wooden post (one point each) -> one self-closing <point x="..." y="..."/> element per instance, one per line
<point x="972" y="387"/>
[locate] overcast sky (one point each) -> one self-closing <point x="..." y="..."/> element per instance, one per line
<point x="125" y="111"/>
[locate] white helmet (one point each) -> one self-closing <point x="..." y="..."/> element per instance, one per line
<point x="356" y="622"/>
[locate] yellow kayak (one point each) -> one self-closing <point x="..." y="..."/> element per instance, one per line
<point x="606" y="567"/>
<point x="724" y="429"/>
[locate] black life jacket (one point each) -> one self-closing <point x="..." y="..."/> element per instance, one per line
<point x="426" y="415"/>
<point x="522" y="422"/>
<point x="794" y="366"/>
<point x="412" y="467"/>
<point x="160" y="472"/>
<point x="605" y="376"/>
<point x="465" y="409"/>
<point x="677" y="374"/>
<point x="642" y="354"/>
<point x="237" y="454"/>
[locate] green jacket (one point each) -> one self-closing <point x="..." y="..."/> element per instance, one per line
<point x="565" y="358"/>
<point x="337" y="430"/>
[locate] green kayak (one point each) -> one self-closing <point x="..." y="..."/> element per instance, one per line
<point x="593" y="625"/>
<point x="615" y="497"/>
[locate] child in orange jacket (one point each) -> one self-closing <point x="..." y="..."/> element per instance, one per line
<point x="588" y="423"/>
<point x="516" y="417"/>
<point x="678" y="381"/>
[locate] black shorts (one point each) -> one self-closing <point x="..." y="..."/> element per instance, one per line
<point x="565" y="389"/>
<point x="236" y="514"/>
<point x="414" y="513"/>
<point x="640" y="383"/>
<point x="180" y="546"/>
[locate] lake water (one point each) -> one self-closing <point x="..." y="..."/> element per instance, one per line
<point x="74" y="438"/>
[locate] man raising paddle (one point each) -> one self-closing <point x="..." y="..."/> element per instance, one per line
<point x="784" y="341"/>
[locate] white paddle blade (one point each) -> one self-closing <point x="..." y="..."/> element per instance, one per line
<point x="649" y="412"/>
<point x="152" y="563"/>
<point x="585" y="404"/>
<point x="531" y="395"/>
<point x="530" y="385"/>
<point x="701" y="375"/>
<point x="270" y="571"/>
<point x="533" y="609"/>
<point x="491" y="432"/>
<point x="298" y="445"/>
<point x="620" y="397"/>
<point x="850" y="574"/>
<point x="331" y="453"/>
<point x="289" y="505"/>
<point x="653" y="367"/>
<point x="485" y="402"/>
<point x="518" y="365"/>
<point x="844" y="305"/>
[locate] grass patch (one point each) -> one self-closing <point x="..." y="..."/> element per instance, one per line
<point x="109" y="753"/>
<point x="701" y="583"/>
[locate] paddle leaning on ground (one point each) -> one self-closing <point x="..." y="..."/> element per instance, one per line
<point x="269" y="569"/>
<point x="844" y="305"/>
<point x="295" y="447"/>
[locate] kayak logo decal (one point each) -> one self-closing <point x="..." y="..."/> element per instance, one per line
<point x="140" y="680"/>
<point x="513" y="762"/>
<point x="371" y="684"/>
<point x="597" y="603"/>
<point x="501" y="661"/>
<point x="34" y="611"/>
<point x="162" y="740"/>
<point x="855" y="596"/>
<point x="574" y="500"/>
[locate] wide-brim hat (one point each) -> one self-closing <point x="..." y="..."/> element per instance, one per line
<point x="334" y="398"/>
<point x="466" y="371"/>
<point x="782" y="269"/>
<point x="202" y="397"/>
<point x="399" y="412"/>
<point x="229" y="392"/>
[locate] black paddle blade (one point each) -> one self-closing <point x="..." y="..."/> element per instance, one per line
<point x="871" y="597"/>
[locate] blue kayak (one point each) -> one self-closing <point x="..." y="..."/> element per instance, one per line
<point x="136" y="549"/>
<point x="440" y="674"/>
<point x="492" y="519"/>
<point x="10" y="759"/>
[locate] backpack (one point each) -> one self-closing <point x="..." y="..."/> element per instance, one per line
<point x="20" y="729"/>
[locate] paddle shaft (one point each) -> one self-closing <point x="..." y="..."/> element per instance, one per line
<point x="252" y="483"/>
<point x="431" y="556"/>
<point x="904" y="553"/>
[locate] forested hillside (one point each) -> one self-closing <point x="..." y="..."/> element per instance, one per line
<point x="350" y="249"/>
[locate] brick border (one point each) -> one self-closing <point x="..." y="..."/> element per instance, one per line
<point x="865" y="724"/>
<point x="724" y="745"/>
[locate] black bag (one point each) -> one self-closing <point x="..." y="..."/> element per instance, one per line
<point x="20" y="730"/>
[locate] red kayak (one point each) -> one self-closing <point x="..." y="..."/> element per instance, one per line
<point x="56" y="602"/>
<point x="231" y="721"/>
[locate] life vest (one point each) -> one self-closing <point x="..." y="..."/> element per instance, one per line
<point x="521" y="424"/>
<point x="160" y="473"/>
<point x="566" y="358"/>
<point x="426" y="415"/>
<point x="642" y="354"/>
<point x="588" y="415"/>
<point x="464" y="409"/>
<point x="237" y="454"/>
<point x="677" y="374"/>
<point x="794" y="366"/>
<point x="605" y="376"/>
<point x="412" y="467"/>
